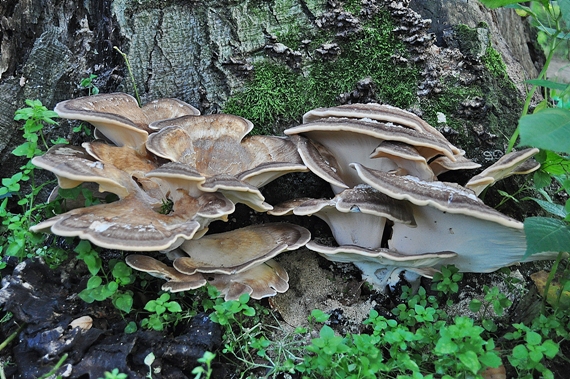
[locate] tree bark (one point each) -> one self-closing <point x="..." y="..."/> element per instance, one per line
<point x="194" y="51"/>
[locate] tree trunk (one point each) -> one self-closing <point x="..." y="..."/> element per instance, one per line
<point x="203" y="52"/>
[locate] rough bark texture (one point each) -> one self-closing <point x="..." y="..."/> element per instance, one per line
<point x="195" y="51"/>
<point x="510" y="35"/>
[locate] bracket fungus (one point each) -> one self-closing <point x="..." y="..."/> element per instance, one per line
<point x="516" y="162"/>
<point x="119" y="117"/>
<point x="235" y="262"/>
<point x="390" y="214"/>
<point x="231" y="163"/>
<point x="352" y="133"/>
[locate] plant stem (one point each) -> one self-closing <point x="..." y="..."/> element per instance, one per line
<point x="55" y="368"/>
<point x="130" y="74"/>
<point x="550" y="279"/>
<point x="11" y="337"/>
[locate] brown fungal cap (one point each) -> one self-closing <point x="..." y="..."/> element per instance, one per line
<point x="506" y="166"/>
<point x="132" y="223"/>
<point x="377" y="112"/>
<point x="237" y="191"/>
<point x="73" y="166"/>
<point x="427" y="144"/>
<point x="116" y="115"/>
<point x="176" y="281"/>
<point x="167" y="108"/>
<point x="442" y="164"/>
<point x="119" y="117"/>
<point x="406" y="157"/>
<point x="241" y="249"/>
<point x="207" y="142"/>
<point x="443" y="196"/>
<point x="379" y="256"/>
<point x="124" y="158"/>
<point x="264" y="280"/>
<point x="319" y="160"/>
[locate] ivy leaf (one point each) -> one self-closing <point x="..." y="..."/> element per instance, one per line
<point x="546" y="234"/>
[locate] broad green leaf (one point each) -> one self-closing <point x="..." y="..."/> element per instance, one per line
<point x="548" y="129"/>
<point x="550" y="348"/>
<point x="490" y="359"/>
<point x="555" y="209"/>
<point x="548" y="84"/>
<point x="470" y="360"/>
<point x="500" y="3"/>
<point x="173" y="307"/>
<point x="565" y="10"/>
<point x="475" y="305"/>
<point x="546" y="234"/>
<point x="533" y="338"/>
<point x="541" y="179"/>
<point x="520" y="352"/>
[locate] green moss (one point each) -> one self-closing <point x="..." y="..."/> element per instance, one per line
<point x="277" y="94"/>
<point x="494" y="63"/>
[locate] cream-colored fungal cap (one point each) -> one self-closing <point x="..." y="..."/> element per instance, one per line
<point x="119" y="117"/>
<point x="355" y="216"/>
<point x="239" y="250"/>
<point x="443" y="164"/>
<point x="176" y="281"/>
<point x="375" y="262"/>
<point x="131" y="224"/>
<point x="376" y="112"/>
<point x="73" y="166"/>
<point x="350" y="140"/>
<point x="264" y="280"/>
<point x="451" y="218"/>
<point x="513" y="163"/>
<point x="446" y="197"/>
<point x="406" y="157"/>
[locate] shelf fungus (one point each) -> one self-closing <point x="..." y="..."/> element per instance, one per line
<point x="119" y="117"/>
<point x="514" y="163"/>
<point x="399" y="155"/>
<point x="216" y="146"/>
<point x="235" y="262"/>
<point x="175" y="172"/>
<point x="371" y="134"/>
<point x="137" y="221"/>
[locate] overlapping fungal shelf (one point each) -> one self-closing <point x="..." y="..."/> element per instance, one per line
<point x="175" y="171"/>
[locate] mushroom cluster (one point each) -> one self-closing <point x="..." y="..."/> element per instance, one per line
<point x="391" y="214"/>
<point x="174" y="173"/>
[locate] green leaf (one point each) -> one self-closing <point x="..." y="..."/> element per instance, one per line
<point x="173" y="307"/>
<point x="546" y="234"/>
<point x="548" y="84"/>
<point x="548" y="129"/>
<point x="520" y="352"/>
<point x="490" y="359"/>
<point x="94" y="282"/>
<point x="565" y="10"/>
<point x="123" y="302"/>
<point x="475" y="305"/>
<point x="131" y="327"/>
<point x="470" y="360"/>
<point x="550" y="348"/>
<point x="541" y="179"/>
<point x="533" y="338"/>
<point x="555" y="209"/>
<point x="500" y="3"/>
